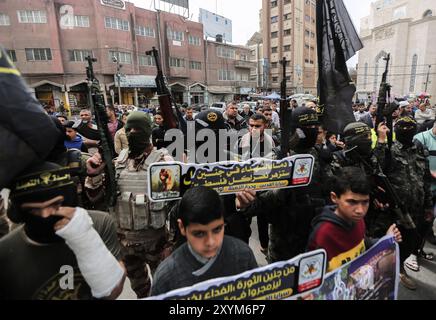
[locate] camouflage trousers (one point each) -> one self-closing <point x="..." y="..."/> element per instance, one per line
<point x="144" y="256"/>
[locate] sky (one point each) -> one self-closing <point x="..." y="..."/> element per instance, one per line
<point x="245" y="14"/>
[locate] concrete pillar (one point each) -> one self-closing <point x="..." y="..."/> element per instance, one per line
<point x="136" y="98"/>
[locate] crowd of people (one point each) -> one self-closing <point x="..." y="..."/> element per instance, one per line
<point x="55" y="213"/>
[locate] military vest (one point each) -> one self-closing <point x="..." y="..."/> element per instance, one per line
<point x="134" y="211"/>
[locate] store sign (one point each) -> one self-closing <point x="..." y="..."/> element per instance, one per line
<point x="119" y="4"/>
<point x="136" y="81"/>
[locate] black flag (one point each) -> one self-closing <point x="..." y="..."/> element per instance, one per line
<point x="338" y="41"/>
<point x="27" y="134"/>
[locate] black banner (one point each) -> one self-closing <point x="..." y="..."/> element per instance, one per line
<point x="338" y="41"/>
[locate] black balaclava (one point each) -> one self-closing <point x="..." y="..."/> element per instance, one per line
<point x="358" y="135"/>
<point x="304" y="128"/>
<point x="405" y="129"/>
<point x="41" y="183"/>
<point x="140" y="139"/>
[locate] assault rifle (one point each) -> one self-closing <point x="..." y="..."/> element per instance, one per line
<point x="107" y="149"/>
<point x="165" y="98"/>
<point x="285" y="115"/>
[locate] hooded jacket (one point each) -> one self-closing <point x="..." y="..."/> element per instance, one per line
<point x="342" y="240"/>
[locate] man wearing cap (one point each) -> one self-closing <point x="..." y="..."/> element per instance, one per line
<point x="61" y="251"/>
<point x="74" y="140"/>
<point x="141" y="223"/>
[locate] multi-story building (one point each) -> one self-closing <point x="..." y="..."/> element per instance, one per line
<point x="228" y="73"/>
<point x="406" y="30"/>
<point x="255" y="44"/>
<point x="49" y="41"/>
<point x="289" y="30"/>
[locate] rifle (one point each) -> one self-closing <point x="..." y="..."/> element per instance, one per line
<point x="165" y="98"/>
<point x="107" y="149"/>
<point x="285" y="116"/>
<point x="391" y="197"/>
<point x="384" y="107"/>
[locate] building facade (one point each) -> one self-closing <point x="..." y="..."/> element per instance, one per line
<point x="289" y="30"/>
<point x="228" y="72"/>
<point x="255" y="44"/>
<point x="49" y="41"/>
<point x="406" y="30"/>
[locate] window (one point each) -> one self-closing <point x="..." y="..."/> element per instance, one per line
<point x="243" y="57"/>
<point x="274" y="50"/>
<point x="177" y="63"/>
<point x="4" y="20"/>
<point x="28" y="16"/>
<point x="12" y="55"/>
<point x="287" y="32"/>
<point x="274" y="65"/>
<point x="195" y="41"/>
<point x="227" y="53"/>
<point x="273" y="4"/>
<point x="226" y="75"/>
<point x="144" y="31"/>
<point x="287" y="1"/>
<point x="123" y="57"/>
<point x="79" y="55"/>
<point x="242" y="77"/>
<point x="175" y="35"/>
<point x="413" y="73"/>
<point x="275" y="79"/>
<point x="287" y="16"/>
<point x="117" y="24"/>
<point x="274" y="19"/>
<point x="38" y="54"/>
<point x="274" y="34"/>
<point x="287" y="48"/>
<point x="146" y="61"/>
<point x="81" y="21"/>
<point x="194" y="65"/>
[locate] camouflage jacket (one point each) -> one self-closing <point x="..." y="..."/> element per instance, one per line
<point x="409" y="174"/>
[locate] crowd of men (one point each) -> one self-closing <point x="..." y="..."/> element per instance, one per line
<point x="55" y="213"/>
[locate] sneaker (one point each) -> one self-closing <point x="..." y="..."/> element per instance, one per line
<point x="412" y="263"/>
<point x="407" y="282"/>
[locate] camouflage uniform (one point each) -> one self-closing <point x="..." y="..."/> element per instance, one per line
<point x="410" y="177"/>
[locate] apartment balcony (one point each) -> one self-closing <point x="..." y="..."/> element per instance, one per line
<point x="241" y="64"/>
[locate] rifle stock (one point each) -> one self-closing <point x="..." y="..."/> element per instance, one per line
<point x="96" y="102"/>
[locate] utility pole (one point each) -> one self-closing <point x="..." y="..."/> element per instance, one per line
<point x="428" y="78"/>
<point x="118" y="75"/>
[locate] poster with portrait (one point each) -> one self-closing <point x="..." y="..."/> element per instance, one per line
<point x="170" y="180"/>
<point x="372" y="276"/>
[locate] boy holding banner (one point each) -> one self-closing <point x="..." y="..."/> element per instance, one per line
<point x="341" y="229"/>
<point x="208" y="254"/>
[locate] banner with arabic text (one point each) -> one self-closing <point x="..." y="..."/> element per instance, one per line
<point x="170" y="180"/>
